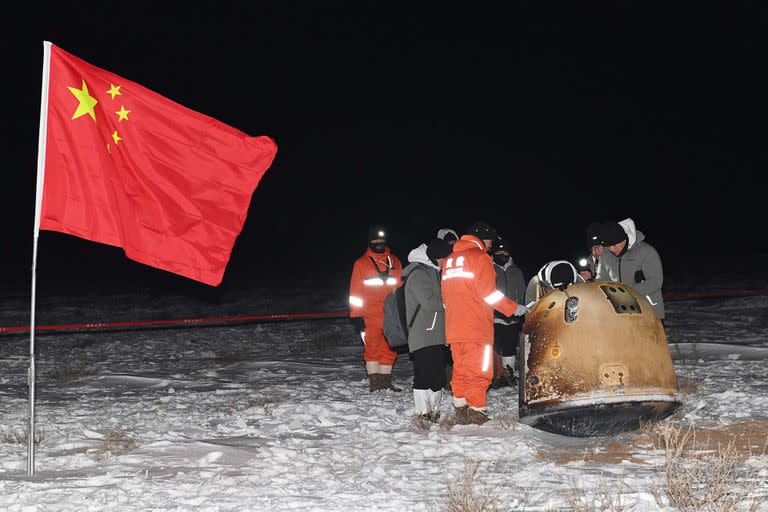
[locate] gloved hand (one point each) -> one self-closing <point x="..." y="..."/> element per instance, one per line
<point x="358" y="323"/>
<point x="521" y="310"/>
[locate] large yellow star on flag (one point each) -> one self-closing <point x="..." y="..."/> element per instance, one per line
<point x="116" y="138"/>
<point x="114" y="90"/>
<point x="122" y="114"/>
<point x="87" y="102"/>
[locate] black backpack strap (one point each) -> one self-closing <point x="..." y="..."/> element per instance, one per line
<point x="413" y="318"/>
<point x="384" y="273"/>
<point x="418" y="306"/>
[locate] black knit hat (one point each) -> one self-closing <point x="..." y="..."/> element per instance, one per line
<point x="377" y="233"/>
<point x="593" y="235"/>
<point x="611" y="233"/>
<point x="438" y="248"/>
<point x="482" y="230"/>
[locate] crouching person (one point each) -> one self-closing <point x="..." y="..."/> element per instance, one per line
<point x="426" y="318"/>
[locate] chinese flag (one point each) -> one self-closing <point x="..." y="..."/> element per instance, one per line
<point x="127" y="167"/>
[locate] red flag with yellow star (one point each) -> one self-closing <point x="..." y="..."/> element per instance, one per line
<point x="127" y="167"/>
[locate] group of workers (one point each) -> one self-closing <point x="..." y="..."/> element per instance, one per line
<point x="467" y="294"/>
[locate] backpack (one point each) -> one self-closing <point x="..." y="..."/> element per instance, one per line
<point x="396" y="325"/>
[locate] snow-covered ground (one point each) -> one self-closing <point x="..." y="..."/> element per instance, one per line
<point x="278" y="416"/>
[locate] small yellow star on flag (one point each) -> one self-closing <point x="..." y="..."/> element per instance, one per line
<point x="122" y="114"/>
<point x="114" y="90"/>
<point x="87" y="102"/>
<point x="116" y="138"/>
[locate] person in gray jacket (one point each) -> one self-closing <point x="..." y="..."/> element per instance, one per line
<point x="633" y="261"/>
<point x="506" y="329"/>
<point x="426" y="335"/>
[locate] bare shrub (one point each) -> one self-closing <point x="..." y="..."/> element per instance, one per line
<point x="229" y="357"/>
<point x="20" y="436"/>
<point x="463" y="495"/>
<point x="602" y="496"/>
<point x="115" y="442"/>
<point x="71" y="372"/>
<point x="700" y="478"/>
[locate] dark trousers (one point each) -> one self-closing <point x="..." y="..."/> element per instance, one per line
<point x="429" y="368"/>
<point x="505" y="338"/>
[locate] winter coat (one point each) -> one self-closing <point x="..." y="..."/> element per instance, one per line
<point x="470" y="294"/>
<point x="423" y="298"/>
<point x="510" y="282"/>
<point x="369" y="285"/>
<point x="639" y="267"/>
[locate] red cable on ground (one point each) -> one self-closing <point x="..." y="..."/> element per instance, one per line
<point x="309" y="316"/>
<point x="183" y="321"/>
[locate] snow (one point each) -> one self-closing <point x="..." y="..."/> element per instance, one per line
<point x="278" y="416"/>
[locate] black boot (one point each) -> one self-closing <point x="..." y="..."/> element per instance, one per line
<point x="374" y="381"/>
<point x="386" y="383"/>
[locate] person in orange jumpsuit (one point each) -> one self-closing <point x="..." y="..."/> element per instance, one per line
<point x="470" y="296"/>
<point x="374" y="275"/>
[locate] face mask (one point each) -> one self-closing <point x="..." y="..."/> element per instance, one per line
<point x="500" y="259"/>
<point x="377" y="248"/>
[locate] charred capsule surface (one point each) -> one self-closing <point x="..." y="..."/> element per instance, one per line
<point x="596" y="362"/>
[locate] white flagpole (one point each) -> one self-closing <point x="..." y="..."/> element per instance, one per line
<point x="38" y="207"/>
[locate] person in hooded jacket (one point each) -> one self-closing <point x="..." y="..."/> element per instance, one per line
<point x="506" y="329"/>
<point x="375" y="275"/>
<point x="630" y="259"/>
<point x="426" y="316"/>
<point x="470" y="296"/>
<point x="555" y="274"/>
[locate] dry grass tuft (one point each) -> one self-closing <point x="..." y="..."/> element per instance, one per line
<point x="115" y="442"/>
<point x="318" y="339"/>
<point x="420" y="422"/>
<point x="688" y="386"/>
<point x="504" y="421"/>
<point x="20" y="437"/>
<point x="465" y="496"/>
<point x="71" y="372"/>
<point x="229" y="357"/>
<point x="602" y="497"/>
<point x="447" y="423"/>
<point x="267" y="402"/>
<point x="700" y="478"/>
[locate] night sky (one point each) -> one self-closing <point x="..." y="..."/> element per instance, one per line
<point x="538" y="118"/>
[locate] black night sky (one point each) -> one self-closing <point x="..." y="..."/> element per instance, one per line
<point x="538" y="118"/>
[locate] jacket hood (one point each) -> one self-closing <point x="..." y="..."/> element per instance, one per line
<point x="469" y="242"/>
<point x="633" y="235"/>
<point x="419" y="255"/>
